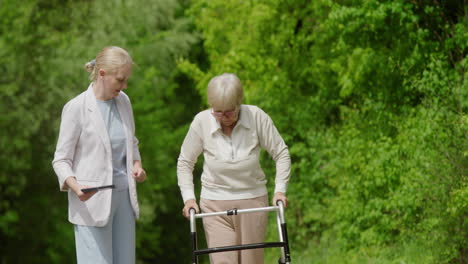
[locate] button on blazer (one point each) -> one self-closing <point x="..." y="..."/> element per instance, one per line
<point x="84" y="151"/>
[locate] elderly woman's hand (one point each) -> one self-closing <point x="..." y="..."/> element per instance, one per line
<point x="190" y="204"/>
<point x="279" y="196"/>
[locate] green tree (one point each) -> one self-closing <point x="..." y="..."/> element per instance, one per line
<point x="44" y="46"/>
<point x="371" y="98"/>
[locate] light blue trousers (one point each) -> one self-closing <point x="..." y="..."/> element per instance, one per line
<point x="113" y="243"/>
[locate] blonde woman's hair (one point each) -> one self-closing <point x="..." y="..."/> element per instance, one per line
<point x="109" y="59"/>
<point x="225" y="91"/>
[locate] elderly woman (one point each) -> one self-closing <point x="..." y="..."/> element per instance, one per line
<point x="97" y="147"/>
<point x="230" y="135"/>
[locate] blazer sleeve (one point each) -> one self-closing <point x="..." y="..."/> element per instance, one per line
<point x="136" y="151"/>
<point x="70" y="130"/>
<point x="273" y="143"/>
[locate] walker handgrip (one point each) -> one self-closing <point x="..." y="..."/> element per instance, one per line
<point x="194" y="211"/>
<point x="279" y="203"/>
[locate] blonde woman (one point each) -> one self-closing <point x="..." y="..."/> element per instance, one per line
<point x="97" y="147"/>
<point x="230" y="135"/>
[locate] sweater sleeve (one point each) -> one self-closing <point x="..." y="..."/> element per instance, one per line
<point x="191" y="148"/>
<point x="273" y="143"/>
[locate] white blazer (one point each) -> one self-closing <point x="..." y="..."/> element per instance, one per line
<point x="84" y="151"/>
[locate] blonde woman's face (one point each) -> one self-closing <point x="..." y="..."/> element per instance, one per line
<point x="116" y="82"/>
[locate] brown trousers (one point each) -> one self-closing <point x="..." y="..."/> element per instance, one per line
<point x="235" y="230"/>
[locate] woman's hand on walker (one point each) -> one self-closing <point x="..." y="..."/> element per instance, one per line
<point x="190" y="204"/>
<point x="279" y="196"/>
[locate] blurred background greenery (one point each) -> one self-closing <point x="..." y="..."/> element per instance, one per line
<point x="370" y="95"/>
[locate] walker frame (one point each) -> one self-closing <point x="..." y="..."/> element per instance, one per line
<point x="283" y="242"/>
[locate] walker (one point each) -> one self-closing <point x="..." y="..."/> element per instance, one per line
<point x="282" y="232"/>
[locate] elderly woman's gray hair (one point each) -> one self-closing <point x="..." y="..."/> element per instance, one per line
<point x="225" y="91"/>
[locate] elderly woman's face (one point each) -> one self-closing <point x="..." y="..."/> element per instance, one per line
<point x="226" y="116"/>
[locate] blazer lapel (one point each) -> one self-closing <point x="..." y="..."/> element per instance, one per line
<point x="96" y="117"/>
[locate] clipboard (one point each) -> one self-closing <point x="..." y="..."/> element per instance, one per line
<point x="98" y="188"/>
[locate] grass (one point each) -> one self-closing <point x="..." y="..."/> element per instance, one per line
<point x="330" y="253"/>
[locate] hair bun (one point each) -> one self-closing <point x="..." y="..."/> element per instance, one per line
<point x="90" y="65"/>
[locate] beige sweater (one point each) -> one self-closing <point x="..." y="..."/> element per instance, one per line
<point x="231" y="168"/>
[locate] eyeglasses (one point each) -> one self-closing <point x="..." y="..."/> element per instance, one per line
<point x="227" y="114"/>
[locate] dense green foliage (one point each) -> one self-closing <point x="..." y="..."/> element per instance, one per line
<point x="44" y="46"/>
<point x="371" y="97"/>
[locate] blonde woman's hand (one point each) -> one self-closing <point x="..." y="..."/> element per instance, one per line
<point x="190" y="204"/>
<point x="139" y="174"/>
<point x="76" y="188"/>
<point x="84" y="196"/>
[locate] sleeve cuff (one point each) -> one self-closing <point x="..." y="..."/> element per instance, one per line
<point x="188" y="195"/>
<point x="136" y="155"/>
<point x="281" y="187"/>
<point x="63" y="173"/>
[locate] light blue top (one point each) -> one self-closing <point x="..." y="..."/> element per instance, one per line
<point x="117" y="137"/>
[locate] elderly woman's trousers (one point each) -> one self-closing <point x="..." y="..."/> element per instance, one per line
<point x="235" y="230"/>
<point x="113" y="243"/>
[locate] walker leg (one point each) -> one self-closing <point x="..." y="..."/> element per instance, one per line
<point x="286" y="248"/>
<point x="281" y="260"/>
<point x="283" y="235"/>
<point x="193" y="233"/>
<point x="194" y="247"/>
